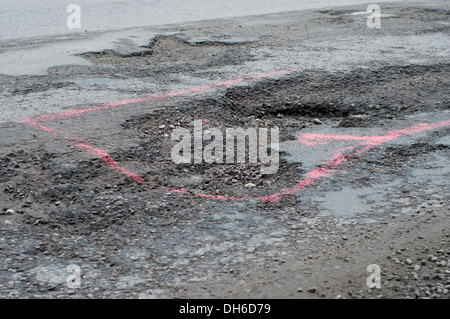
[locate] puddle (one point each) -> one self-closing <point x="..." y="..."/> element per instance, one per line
<point x="345" y="203"/>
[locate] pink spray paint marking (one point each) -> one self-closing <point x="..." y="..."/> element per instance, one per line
<point x="47" y="129"/>
<point x="325" y="170"/>
<point x="329" y="168"/>
<point x="80" y="112"/>
<point x="106" y="158"/>
<point x="310" y="139"/>
<point x="109" y="161"/>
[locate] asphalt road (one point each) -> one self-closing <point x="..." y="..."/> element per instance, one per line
<point x="22" y="19"/>
<point x="86" y="177"/>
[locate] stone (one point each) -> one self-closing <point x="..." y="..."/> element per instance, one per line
<point x="8" y="212"/>
<point x="250" y="185"/>
<point x="317" y="122"/>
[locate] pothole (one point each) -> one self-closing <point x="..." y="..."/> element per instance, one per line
<point x="173" y="54"/>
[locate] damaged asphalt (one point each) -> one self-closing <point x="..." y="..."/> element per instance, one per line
<point x="67" y="196"/>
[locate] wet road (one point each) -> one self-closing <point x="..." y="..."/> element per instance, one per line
<point x="20" y="19"/>
<point x="370" y="181"/>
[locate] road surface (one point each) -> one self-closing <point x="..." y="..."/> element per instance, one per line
<point x="87" y="179"/>
<point x="21" y="19"/>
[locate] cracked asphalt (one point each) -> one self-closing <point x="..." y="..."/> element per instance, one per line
<point x="364" y="118"/>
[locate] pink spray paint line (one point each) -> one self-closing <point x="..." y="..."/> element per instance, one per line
<point x="80" y="143"/>
<point x="310" y="139"/>
<point x="80" y="112"/>
<point x="329" y="168"/>
<point x="325" y="170"/>
<point x="109" y="161"/>
<point x="47" y="129"/>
